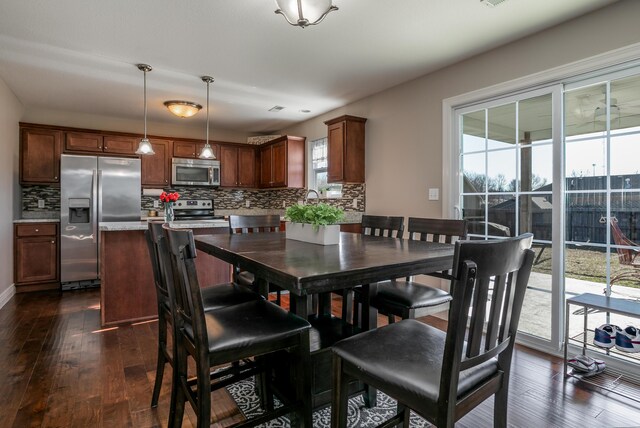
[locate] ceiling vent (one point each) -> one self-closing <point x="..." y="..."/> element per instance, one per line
<point x="492" y="3"/>
<point x="276" y="108"/>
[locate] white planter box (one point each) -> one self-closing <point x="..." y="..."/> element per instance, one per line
<point x="325" y="235"/>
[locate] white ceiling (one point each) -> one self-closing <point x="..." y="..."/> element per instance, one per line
<point x="80" y="55"/>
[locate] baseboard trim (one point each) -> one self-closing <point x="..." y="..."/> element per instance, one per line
<point x="7" y="295"/>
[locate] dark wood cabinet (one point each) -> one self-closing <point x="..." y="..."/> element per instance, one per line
<point x="238" y="166"/>
<point x="40" y="156"/>
<point x="346" y="149"/>
<point x="96" y="143"/>
<point x="156" y="169"/>
<point x="191" y="149"/>
<point x="282" y="163"/>
<point x="37" y="256"/>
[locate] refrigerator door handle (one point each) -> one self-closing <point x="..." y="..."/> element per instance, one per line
<point x="94" y="205"/>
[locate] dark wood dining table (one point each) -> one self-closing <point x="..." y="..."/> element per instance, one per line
<point x="308" y="270"/>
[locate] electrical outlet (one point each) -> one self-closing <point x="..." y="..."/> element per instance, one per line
<point x="284" y="204"/>
<point x="40" y="203"/>
<point x="247" y="203"/>
<point x="354" y="204"/>
<point x="434" y="194"/>
<point x="156" y="204"/>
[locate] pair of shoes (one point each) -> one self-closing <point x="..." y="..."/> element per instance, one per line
<point x="586" y="366"/>
<point x="610" y="335"/>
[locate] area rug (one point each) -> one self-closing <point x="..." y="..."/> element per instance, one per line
<point x="359" y="416"/>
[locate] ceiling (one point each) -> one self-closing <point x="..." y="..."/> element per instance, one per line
<point x="80" y="56"/>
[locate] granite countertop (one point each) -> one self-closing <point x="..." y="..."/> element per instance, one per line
<point x="142" y="225"/>
<point x="37" y="220"/>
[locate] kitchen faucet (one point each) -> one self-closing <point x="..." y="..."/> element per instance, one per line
<point x="306" y="199"/>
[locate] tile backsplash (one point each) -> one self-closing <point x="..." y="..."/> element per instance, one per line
<point x="224" y="199"/>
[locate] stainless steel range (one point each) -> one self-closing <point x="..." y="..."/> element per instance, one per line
<point x="194" y="209"/>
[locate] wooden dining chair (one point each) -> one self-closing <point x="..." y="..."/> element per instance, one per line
<point x="231" y="334"/>
<point x="374" y="225"/>
<point x="442" y="376"/>
<point x="254" y="224"/>
<point x="213" y="297"/>
<point x="409" y="299"/>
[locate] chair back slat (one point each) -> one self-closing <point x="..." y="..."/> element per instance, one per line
<point x="378" y="225"/>
<point x="507" y="263"/>
<point x="154" y="237"/>
<point x="189" y="311"/>
<point x="254" y="223"/>
<point x="437" y="230"/>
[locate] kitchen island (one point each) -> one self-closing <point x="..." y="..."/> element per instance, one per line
<point x="127" y="291"/>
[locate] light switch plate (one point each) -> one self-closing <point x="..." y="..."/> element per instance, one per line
<point x="40" y="203"/>
<point x="156" y="204"/>
<point x="354" y="204"/>
<point x="247" y="203"/>
<point x="434" y="194"/>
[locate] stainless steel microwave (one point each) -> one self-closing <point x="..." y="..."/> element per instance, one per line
<point x="195" y="172"/>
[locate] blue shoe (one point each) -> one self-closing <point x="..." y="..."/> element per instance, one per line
<point x="605" y="335"/>
<point x="628" y="340"/>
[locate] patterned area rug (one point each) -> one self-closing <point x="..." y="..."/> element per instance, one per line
<point x="359" y="416"/>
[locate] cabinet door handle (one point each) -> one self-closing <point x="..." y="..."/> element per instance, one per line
<point x="55" y="178"/>
<point x="166" y="181"/>
<point x="53" y="242"/>
<point x="37" y="230"/>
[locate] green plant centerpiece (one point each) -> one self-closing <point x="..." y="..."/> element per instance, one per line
<point x="322" y="218"/>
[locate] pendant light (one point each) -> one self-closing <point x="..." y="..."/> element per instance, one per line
<point x="302" y="13"/>
<point x="207" y="151"/>
<point x="144" y="147"/>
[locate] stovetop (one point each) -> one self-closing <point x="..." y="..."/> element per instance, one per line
<point x="195" y="209"/>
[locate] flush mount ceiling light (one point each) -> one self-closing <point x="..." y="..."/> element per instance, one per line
<point x="303" y="13"/>
<point x="144" y="147"/>
<point x="207" y="151"/>
<point x="182" y="108"/>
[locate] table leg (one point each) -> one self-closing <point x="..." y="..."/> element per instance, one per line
<point x="300" y="305"/>
<point x="263" y="287"/>
<point x="369" y="322"/>
<point x="324" y="304"/>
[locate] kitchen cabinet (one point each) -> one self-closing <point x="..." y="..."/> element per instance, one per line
<point x="40" y="155"/>
<point x="37" y="256"/>
<point x="238" y="166"/>
<point x="191" y="149"/>
<point x="282" y="163"/>
<point x="345" y="154"/>
<point x="156" y="169"/>
<point x="88" y="142"/>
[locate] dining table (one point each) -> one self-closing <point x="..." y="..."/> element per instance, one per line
<point x="309" y="270"/>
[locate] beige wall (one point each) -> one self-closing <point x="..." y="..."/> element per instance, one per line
<point x="10" y="112"/>
<point x="404" y="127"/>
<point x="105" y="123"/>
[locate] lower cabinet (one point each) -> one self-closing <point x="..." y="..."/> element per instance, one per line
<point x="36" y="256"/>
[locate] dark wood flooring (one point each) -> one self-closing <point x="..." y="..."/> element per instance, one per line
<point x="58" y="368"/>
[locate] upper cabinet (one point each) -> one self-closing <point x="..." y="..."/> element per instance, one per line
<point x="87" y="142"/>
<point x="40" y="155"/>
<point x="238" y="166"/>
<point x="156" y="169"/>
<point x="346" y="149"/>
<point x="282" y="162"/>
<point x="191" y="149"/>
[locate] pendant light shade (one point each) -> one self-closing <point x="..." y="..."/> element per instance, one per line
<point x="145" y="147"/>
<point x="303" y="13"/>
<point x="207" y="150"/>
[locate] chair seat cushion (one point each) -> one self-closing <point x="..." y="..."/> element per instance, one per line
<point x="247" y="326"/>
<point x="404" y="360"/>
<point x="409" y="294"/>
<point x="223" y="295"/>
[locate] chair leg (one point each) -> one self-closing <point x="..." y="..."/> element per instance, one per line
<point x="304" y="416"/>
<point x="339" y="403"/>
<point x="178" y="397"/>
<point x="162" y="349"/>
<point x="391" y="318"/>
<point x="500" y="408"/>
<point x="203" y="399"/>
<point x="405" y="412"/>
<point x="347" y="305"/>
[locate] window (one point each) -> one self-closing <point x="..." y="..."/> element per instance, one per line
<point x="319" y="162"/>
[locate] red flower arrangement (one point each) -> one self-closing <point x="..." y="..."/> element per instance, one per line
<point x="169" y="197"/>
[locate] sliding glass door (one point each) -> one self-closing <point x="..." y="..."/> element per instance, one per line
<point x="506" y="160"/>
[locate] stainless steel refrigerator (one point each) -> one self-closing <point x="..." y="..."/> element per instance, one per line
<point x="93" y="190"/>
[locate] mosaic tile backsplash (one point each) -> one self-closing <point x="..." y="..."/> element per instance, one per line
<point x="225" y="200"/>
